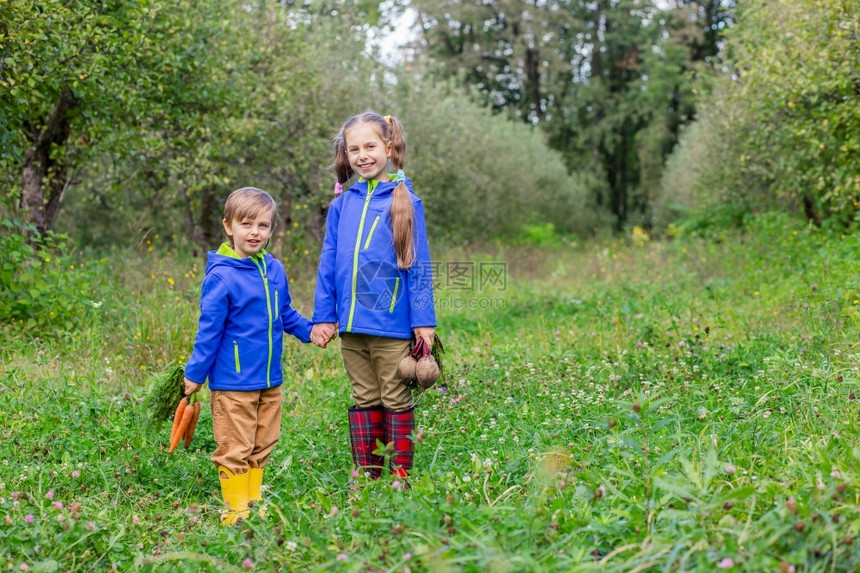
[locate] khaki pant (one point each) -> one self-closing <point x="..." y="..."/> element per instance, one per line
<point x="371" y="363"/>
<point x="246" y="427"/>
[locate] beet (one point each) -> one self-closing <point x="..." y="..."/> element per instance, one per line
<point x="422" y="364"/>
<point x="406" y="369"/>
<point x="427" y="371"/>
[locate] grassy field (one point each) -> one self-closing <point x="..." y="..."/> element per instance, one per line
<point x="618" y="406"/>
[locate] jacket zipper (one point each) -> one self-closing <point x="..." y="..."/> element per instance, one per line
<point x="371" y="185"/>
<point x="262" y="270"/>
<point x="236" y="356"/>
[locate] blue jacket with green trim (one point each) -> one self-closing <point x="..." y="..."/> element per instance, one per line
<point x="358" y="283"/>
<point x="244" y="311"/>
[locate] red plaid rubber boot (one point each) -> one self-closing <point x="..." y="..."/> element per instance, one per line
<point x="398" y="432"/>
<point x="366" y="426"/>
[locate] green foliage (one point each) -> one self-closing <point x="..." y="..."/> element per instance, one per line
<point x="680" y="189"/>
<point x="76" y="78"/>
<point x="539" y="235"/>
<point x="52" y="46"/>
<point x="798" y="76"/>
<point x="609" y="82"/>
<point x="168" y="388"/>
<point x="497" y="175"/>
<point x="780" y="133"/>
<point x="667" y="406"/>
<point x="45" y="287"/>
<point x="188" y="139"/>
<point x="244" y="112"/>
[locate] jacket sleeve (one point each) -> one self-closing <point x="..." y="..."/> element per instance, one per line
<point x="419" y="282"/>
<point x="214" y="305"/>
<point x="294" y="323"/>
<point x="325" y="298"/>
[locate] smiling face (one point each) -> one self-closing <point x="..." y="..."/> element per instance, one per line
<point x="367" y="153"/>
<point x="250" y="234"/>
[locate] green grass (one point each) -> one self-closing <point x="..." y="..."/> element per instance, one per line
<point x="659" y="406"/>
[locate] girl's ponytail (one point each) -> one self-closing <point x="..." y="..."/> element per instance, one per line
<point x="341" y="166"/>
<point x="402" y="212"/>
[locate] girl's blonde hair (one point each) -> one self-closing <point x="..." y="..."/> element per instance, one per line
<point x="390" y="130"/>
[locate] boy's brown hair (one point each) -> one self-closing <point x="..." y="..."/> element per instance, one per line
<point x="248" y="203"/>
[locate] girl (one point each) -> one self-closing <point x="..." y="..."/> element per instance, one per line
<point x="375" y="280"/>
<point x="244" y="312"/>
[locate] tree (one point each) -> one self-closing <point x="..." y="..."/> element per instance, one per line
<point x="777" y="131"/>
<point x="609" y="80"/>
<point x="70" y="74"/>
<point x="793" y="95"/>
<point x="253" y="95"/>
<point x="509" y="50"/>
<point x="626" y="102"/>
<point x="690" y="36"/>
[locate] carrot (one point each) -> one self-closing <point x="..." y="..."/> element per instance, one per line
<point x="177" y="417"/>
<point x="189" y="433"/>
<point x="183" y="425"/>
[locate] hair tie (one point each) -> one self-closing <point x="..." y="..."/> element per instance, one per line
<point x="401" y="176"/>
<point x="387" y="119"/>
<point x="338" y="188"/>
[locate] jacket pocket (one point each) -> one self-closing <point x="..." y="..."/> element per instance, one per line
<point x="277" y="305"/>
<point x="236" y="356"/>
<point x="370" y="233"/>
<point x="394" y="294"/>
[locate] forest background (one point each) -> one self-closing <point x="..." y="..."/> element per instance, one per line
<point x="132" y="119"/>
<point x="626" y="160"/>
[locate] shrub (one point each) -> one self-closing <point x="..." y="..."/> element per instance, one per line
<point x="538" y="235"/>
<point x="44" y="286"/>
<point x="778" y="132"/>
<point x="483" y="176"/>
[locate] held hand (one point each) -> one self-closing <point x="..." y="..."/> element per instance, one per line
<point x="332" y="331"/>
<point x="191" y="387"/>
<point x="317" y="336"/>
<point x="322" y="333"/>
<point x="428" y="333"/>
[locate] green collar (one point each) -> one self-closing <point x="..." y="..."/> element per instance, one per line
<point x="391" y="177"/>
<point x="226" y="250"/>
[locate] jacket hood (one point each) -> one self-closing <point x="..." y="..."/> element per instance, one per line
<point x="380" y="188"/>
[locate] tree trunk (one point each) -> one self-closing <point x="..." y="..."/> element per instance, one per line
<point x="533" y="80"/>
<point x="41" y="172"/>
<point x="285" y="211"/>
<point x="810" y="210"/>
<point x="211" y="228"/>
<point x="191" y="229"/>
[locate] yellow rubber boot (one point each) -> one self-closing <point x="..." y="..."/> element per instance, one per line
<point x="234" y="490"/>
<point x="255" y="489"/>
